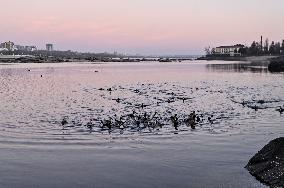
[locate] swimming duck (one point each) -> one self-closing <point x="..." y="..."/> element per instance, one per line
<point x="64" y="122"/>
<point x="118" y="100"/>
<point x="107" y="123"/>
<point x="280" y="110"/>
<point x="174" y="120"/>
<point x="90" y="125"/>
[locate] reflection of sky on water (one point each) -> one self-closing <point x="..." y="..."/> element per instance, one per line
<point x="32" y="108"/>
<point x="36" y="105"/>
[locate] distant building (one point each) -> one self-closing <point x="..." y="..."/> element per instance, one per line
<point x="49" y="47"/>
<point x="19" y="47"/>
<point x="30" y="48"/>
<point x="25" y="48"/>
<point x="228" y="50"/>
<point x="2" y="47"/>
<point x="10" y="46"/>
<point x="7" y="46"/>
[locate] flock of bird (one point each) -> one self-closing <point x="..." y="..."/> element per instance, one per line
<point x="138" y="122"/>
<point x="253" y="105"/>
<point x="145" y="120"/>
<point x="141" y="119"/>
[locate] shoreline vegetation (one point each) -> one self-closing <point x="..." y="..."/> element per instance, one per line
<point x="264" y="58"/>
<point x="259" y="53"/>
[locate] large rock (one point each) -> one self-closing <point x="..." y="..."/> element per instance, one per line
<point x="268" y="164"/>
<point x="276" y="65"/>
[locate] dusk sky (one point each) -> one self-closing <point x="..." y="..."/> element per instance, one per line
<point x="140" y="26"/>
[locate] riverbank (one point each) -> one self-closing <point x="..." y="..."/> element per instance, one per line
<point x="263" y="59"/>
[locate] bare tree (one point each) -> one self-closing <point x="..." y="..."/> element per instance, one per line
<point x="266" y="46"/>
<point x="282" y="47"/>
<point x="208" y="50"/>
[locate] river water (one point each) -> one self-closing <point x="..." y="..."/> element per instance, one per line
<point x="236" y="102"/>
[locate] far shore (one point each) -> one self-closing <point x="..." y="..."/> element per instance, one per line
<point x="254" y="60"/>
<point x="51" y="59"/>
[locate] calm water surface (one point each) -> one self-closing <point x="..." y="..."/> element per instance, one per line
<point x="37" y="151"/>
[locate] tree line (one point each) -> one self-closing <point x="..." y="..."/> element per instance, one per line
<point x="257" y="48"/>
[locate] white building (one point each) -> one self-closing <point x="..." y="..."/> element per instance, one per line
<point x="228" y="50"/>
<point x="30" y="48"/>
<point x="25" y="48"/>
<point x="7" y="46"/>
<point x="19" y="47"/>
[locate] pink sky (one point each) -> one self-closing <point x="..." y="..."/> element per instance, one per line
<point x="140" y="26"/>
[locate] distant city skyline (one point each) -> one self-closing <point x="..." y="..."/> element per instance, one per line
<point x="140" y="26"/>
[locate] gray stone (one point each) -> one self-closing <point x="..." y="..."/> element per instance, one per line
<point x="268" y="164"/>
<point x="276" y="65"/>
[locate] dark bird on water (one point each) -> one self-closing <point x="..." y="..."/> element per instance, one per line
<point x="261" y="101"/>
<point x="90" y="125"/>
<point x="170" y="100"/>
<point x="198" y="119"/>
<point x="280" y="110"/>
<point x="64" y="122"/>
<point x="174" y="120"/>
<point x="118" y="100"/>
<point x="210" y="119"/>
<point x="107" y="123"/>
<point x="143" y="105"/>
<point x="136" y="91"/>
<point x="191" y="121"/>
<point x="132" y="115"/>
<point x="183" y="99"/>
